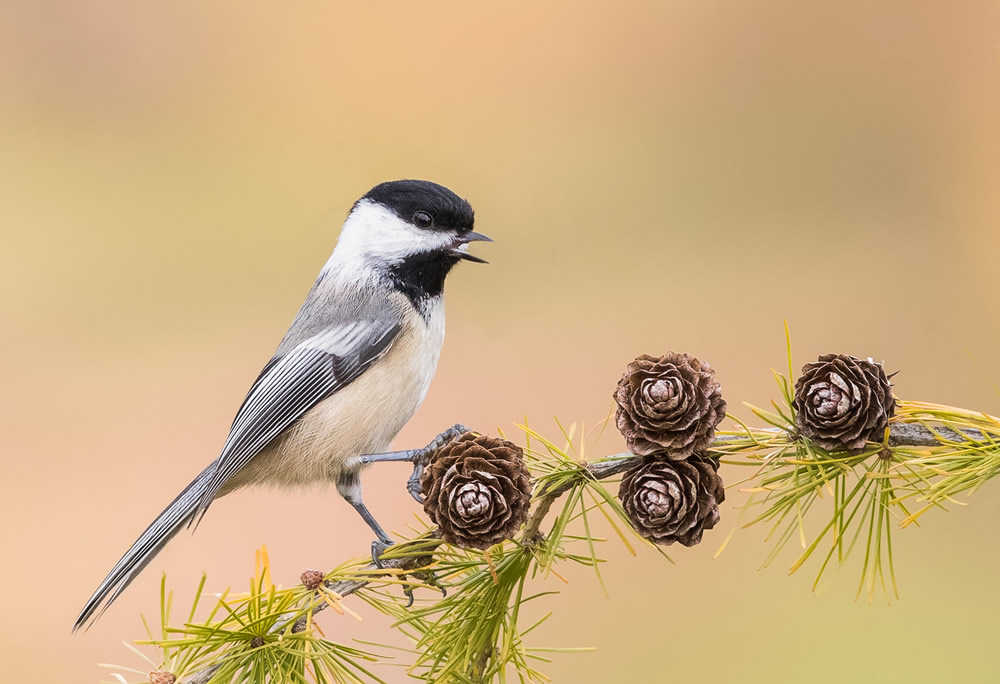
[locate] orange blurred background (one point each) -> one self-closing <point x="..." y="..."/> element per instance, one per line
<point x="657" y="175"/>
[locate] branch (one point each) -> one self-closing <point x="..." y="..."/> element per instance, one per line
<point x="901" y="434"/>
<point x="913" y="434"/>
<point x="342" y="588"/>
<point x="600" y="470"/>
<point x="203" y="676"/>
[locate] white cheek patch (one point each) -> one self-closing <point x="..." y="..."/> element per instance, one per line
<point x="374" y="234"/>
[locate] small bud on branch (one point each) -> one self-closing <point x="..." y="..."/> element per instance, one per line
<point x="311" y="579"/>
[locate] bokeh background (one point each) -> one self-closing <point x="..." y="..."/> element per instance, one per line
<point x="657" y="175"/>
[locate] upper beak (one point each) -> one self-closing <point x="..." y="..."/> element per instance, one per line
<point x="462" y="242"/>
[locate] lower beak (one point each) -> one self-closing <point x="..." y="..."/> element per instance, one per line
<point x="462" y="244"/>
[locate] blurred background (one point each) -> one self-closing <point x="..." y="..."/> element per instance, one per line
<point x="657" y="176"/>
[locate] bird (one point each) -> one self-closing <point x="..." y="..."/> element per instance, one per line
<point x="350" y="372"/>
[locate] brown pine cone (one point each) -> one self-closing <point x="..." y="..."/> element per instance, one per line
<point x="159" y="677"/>
<point x="477" y="490"/>
<point x="842" y="402"/>
<point x="668" y="407"/>
<point x="673" y="501"/>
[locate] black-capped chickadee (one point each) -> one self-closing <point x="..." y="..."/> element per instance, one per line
<point x="349" y="374"/>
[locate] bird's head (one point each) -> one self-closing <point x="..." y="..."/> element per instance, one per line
<point x="408" y="222"/>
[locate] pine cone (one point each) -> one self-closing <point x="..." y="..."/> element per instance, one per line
<point x="668" y="407"/>
<point x="477" y="490"/>
<point x="673" y="501"/>
<point x="842" y="402"/>
<point x="160" y="677"/>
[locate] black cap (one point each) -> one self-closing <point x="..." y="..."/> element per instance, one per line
<point x="408" y="197"/>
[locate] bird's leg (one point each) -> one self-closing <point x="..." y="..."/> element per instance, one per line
<point x="418" y="457"/>
<point x="351" y="490"/>
<point x="349" y="486"/>
<point x="383" y="540"/>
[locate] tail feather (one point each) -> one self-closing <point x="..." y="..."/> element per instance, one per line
<point x="167" y="524"/>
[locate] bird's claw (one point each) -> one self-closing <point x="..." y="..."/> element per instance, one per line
<point x="422" y="456"/>
<point x="413" y="485"/>
<point x="379" y="547"/>
<point x="455" y="431"/>
<point x="428" y="577"/>
<point x="431" y="579"/>
<point x="408" y="592"/>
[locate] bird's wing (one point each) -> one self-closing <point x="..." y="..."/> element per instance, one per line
<point x="292" y="384"/>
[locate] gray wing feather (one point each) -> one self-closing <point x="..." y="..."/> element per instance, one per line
<point x="292" y="384"/>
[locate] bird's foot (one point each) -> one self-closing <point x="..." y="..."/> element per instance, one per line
<point x="428" y="577"/>
<point x="421" y="457"/>
<point x="413" y="485"/>
<point x="449" y="435"/>
<point x="379" y="546"/>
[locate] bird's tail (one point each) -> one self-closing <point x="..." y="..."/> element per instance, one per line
<point x="180" y="511"/>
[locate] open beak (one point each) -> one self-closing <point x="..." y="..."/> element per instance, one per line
<point x="461" y="244"/>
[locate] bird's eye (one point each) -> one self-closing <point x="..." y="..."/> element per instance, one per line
<point x="422" y="219"/>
